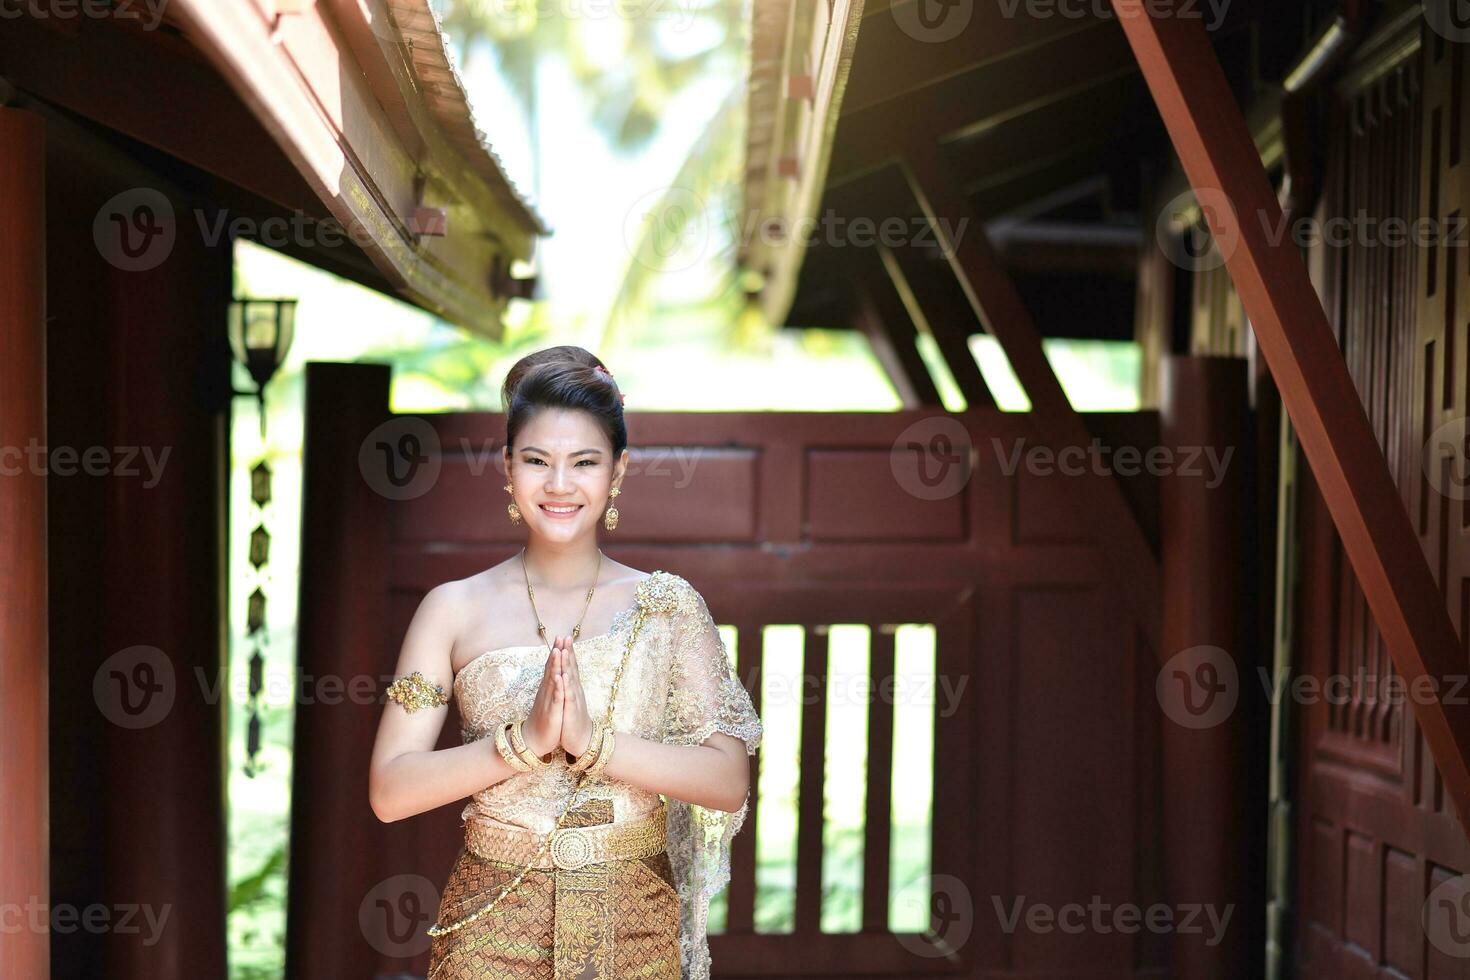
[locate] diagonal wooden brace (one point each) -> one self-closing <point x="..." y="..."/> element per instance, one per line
<point x="996" y="302"/>
<point x="1214" y="145"/>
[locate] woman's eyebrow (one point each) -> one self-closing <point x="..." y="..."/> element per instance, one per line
<point x="579" y="452"/>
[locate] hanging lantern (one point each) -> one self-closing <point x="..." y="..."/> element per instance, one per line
<point x="260" y="335"/>
<point x="261" y="331"/>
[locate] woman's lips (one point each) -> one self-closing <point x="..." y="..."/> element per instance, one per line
<point x="563" y="515"/>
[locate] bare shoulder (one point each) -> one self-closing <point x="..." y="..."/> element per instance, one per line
<point x="486" y="588"/>
<point x="455" y="600"/>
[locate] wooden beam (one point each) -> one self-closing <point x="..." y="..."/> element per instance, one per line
<point x="881" y="316"/>
<point x="949" y="323"/>
<point x="994" y="299"/>
<point x="1215" y="148"/>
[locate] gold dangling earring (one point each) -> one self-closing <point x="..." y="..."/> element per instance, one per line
<point x="511" y="508"/>
<point x="610" y="519"/>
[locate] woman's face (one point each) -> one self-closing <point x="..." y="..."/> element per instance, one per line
<point x="560" y="473"/>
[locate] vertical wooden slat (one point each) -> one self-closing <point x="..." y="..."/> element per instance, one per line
<point x="878" y="825"/>
<point x="740" y="904"/>
<point x="24" y="756"/>
<point x="810" y="805"/>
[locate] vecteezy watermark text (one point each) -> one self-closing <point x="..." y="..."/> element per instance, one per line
<point x="1042" y="460"/>
<point x="149" y="12"/>
<point x="1100" y="917"/>
<point x="125" y="918"/>
<point x="38" y="459"/>
<point x="1212" y="12"/>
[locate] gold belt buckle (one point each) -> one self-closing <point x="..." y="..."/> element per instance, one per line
<point x="571" y="848"/>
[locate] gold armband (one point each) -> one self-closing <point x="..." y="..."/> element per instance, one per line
<point x="415" y="692"/>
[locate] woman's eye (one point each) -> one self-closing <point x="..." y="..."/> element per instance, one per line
<point x="589" y="462"/>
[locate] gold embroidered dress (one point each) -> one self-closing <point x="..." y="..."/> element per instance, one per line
<point x="613" y="920"/>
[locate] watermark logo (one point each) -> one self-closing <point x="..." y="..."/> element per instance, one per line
<point x="1211" y="12"/>
<point x="401" y="459"/>
<point x="1446" y="917"/>
<point x="135" y="688"/>
<point x="1450" y="19"/>
<point x="396" y="914"/>
<point x="669" y="229"/>
<point x="64" y="918"/>
<point x="1450" y="442"/>
<point x="135" y="230"/>
<point x="1102" y="918"/>
<point x="1389" y="689"/>
<point x="39" y="459"/>
<point x="951" y="918"/>
<point x="932" y="459"/>
<point x="933" y="21"/>
<point x="148" y="13"/>
<point x="1198" y="687"/>
<point x="1194" y="245"/>
<point x="1207" y="463"/>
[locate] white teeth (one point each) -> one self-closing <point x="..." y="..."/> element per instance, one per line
<point x="558" y="510"/>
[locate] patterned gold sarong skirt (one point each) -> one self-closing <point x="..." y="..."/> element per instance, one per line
<point x="612" y="920"/>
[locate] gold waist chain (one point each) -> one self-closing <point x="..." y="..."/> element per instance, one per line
<point x="584" y="781"/>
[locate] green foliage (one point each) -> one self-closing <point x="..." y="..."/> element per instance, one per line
<point x="254" y="889"/>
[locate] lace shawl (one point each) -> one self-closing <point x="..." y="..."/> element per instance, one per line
<point x="704" y="697"/>
<point x="700" y="696"/>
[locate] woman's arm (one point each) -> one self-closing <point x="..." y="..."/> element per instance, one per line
<point x="714" y="774"/>
<point x="407" y="775"/>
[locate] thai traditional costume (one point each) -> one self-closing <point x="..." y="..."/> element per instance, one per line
<point x="623" y="890"/>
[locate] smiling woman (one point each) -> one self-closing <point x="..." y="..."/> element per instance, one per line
<point x="607" y="773"/>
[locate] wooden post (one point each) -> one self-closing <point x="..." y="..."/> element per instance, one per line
<point x="1213" y="755"/>
<point x="24" y="755"/>
<point x="166" y="399"/>
<point x="1215" y="147"/>
<point x="337" y="843"/>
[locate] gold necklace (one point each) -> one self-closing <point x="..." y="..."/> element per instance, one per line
<point x="531" y="592"/>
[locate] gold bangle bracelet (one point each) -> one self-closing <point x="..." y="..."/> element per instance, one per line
<point x="604" y="753"/>
<point x="502" y="745"/>
<point x="589" y="754"/>
<point x="518" y="744"/>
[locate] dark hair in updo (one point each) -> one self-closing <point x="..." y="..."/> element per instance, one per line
<point x="563" y="377"/>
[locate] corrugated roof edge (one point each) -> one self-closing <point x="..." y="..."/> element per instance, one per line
<point x="455" y="115"/>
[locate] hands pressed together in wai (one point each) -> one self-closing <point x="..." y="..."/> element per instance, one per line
<point x="559" y="718"/>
